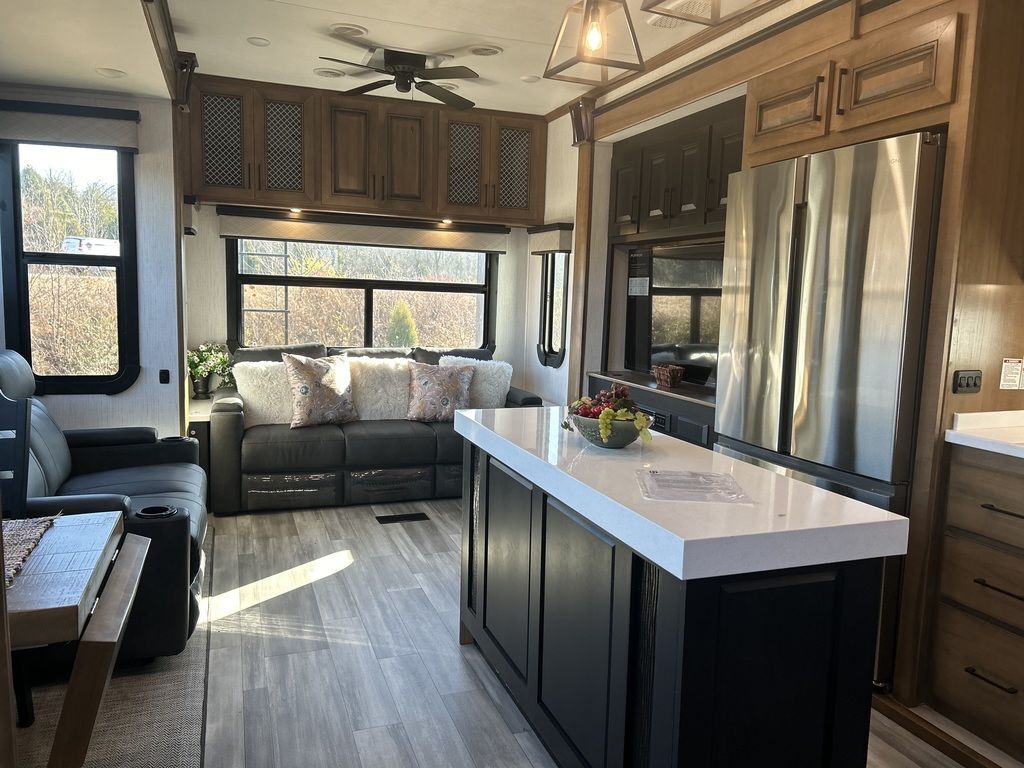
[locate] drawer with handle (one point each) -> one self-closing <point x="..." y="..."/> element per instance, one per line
<point x="986" y="495"/>
<point x="978" y="677"/>
<point x="984" y="578"/>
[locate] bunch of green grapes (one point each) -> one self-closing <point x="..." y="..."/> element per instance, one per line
<point x="605" y="423"/>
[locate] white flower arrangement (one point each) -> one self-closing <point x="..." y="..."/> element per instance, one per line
<point x="210" y="358"/>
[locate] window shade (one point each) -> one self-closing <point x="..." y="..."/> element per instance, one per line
<point x="84" y="130"/>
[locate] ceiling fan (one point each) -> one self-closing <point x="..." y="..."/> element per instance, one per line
<point x="408" y="70"/>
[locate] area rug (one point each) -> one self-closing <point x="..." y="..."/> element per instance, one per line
<point x="20" y="538"/>
<point x="151" y="717"/>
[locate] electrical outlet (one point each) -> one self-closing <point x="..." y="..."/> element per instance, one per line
<point x="966" y="382"/>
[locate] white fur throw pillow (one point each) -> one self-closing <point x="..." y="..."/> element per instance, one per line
<point x="265" y="392"/>
<point x="380" y="387"/>
<point x="491" y="382"/>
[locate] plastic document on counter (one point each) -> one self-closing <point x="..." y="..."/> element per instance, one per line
<point x="675" y="485"/>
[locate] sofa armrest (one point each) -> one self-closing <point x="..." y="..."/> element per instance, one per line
<point x="520" y="398"/>
<point x="169" y="450"/>
<point x="96" y="438"/>
<point x="227" y="400"/>
<point x="227" y="426"/>
<point x="48" y="506"/>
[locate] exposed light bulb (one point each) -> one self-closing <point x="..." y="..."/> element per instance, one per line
<point x="595" y="37"/>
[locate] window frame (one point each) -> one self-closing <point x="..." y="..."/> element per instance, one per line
<point x="545" y="352"/>
<point x="17" y="329"/>
<point x="695" y="295"/>
<point x="236" y="280"/>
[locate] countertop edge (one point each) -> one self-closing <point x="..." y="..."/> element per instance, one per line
<point x="982" y="443"/>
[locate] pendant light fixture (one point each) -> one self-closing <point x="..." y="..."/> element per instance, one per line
<point x="708" y="12"/>
<point x="596" y="43"/>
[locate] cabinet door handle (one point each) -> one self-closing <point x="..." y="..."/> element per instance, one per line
<point x="494" y="195"/>
<point x="839" y="91"/>
<point x="634" y="209"/>
<point x="1001" y="511"/>
<point x="373" y="186"/>
<point x="817" y="97"/>
<point x="259" y="176"/>
<point x="666" y="203"/>
<point x="248" y="175"/>
<point x="973" y="672"/>
<point x="984" y="583"/>
<point x="383" y="187"/>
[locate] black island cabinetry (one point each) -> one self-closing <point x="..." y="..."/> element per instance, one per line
<point x="616" y="662"/>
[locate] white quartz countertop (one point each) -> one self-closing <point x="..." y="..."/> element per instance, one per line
<point x="787" y="524"/>
<point x="996" y="431"/>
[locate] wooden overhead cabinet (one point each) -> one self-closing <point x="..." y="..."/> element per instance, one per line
<point x="625" y="204"/>
<point x="492" y="167"/>
<point x="253" y="144"/>
<point x="789" y="105"/>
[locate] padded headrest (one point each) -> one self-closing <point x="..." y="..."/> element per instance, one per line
<point x="433" y="355"/>
<point x="379" y="353"/>
<point x="16" y="378"/>
<point x="262" y="354"/>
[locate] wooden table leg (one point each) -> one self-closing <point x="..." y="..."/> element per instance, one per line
<point x="97" y="652"/>
<point x="22" y="675"/>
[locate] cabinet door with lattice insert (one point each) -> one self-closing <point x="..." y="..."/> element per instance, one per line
<point x="464" y="183"/>
<point x="222" y="141"/>
<point x="519" y="147"/>
<point x="286" y="125"/>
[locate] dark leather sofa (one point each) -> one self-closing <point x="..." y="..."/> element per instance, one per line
<point x="126" y="469"/>
<point x="271" y="466"/>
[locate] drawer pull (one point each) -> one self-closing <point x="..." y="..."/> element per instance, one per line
<point x="1001" y="511"/>
<point x="984" y="583"/>
<point x="1005" y="688"/>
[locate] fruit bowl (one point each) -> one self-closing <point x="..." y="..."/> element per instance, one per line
<point x="623" y="432"/>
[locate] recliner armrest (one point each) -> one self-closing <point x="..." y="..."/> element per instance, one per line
<point x="170" y="450"/>
<point x="94" y="438"/>
<point x="227" y="400"/>
<point x="48" y="506"/>
<point x="520" y="398"/>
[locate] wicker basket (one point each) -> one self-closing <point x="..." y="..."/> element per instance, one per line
<point x="668" y="375"/>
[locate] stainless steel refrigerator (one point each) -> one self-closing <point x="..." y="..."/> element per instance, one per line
<point x="824" y="294"/>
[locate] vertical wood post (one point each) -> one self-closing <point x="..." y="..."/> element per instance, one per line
<point x="580" y="267"/>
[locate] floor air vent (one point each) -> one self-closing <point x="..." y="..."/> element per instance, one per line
<point x="409" y="517"/>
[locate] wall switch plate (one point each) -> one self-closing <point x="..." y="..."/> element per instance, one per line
<point x="966" y="382"/>
<point x="165" y="376"/>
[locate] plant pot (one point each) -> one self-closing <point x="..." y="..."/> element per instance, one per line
<point x="201" y="388"/>
<point x="623" y="432"/>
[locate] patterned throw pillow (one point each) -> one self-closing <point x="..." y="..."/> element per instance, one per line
<point x="436" y="393"/>
<point x="321" y="390"/>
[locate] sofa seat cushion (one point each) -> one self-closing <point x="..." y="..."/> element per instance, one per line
<point x="449" y="442"/>
<point x="277" y="448"/>
<point x="389" y="443"/>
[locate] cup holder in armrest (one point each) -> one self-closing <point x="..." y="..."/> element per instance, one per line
<point x="155" y="513"/>
<point x="175" y="439"/>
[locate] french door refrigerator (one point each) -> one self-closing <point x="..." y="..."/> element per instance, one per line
<point x="824" y="294"/>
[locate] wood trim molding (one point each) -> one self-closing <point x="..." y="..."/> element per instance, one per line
<point x="8" y="747"/>
<point x="158" y="17"/>
<point x="929" y="733"/>
<point x="580" y="269"/>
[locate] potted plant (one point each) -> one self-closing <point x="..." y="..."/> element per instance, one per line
<point x="204" y="361"/>
<point x="610" y="419"/>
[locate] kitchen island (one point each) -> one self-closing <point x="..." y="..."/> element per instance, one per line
<point x="641" y="632"/>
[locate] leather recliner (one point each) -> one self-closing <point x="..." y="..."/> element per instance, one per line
<point x="126" y="469"/>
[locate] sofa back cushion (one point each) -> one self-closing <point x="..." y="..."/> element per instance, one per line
<point x="265" y="392"/>
<point x="49" y="455"/>
<point x="273" y="354"/>
<point x="491" y="382"/>
<point x="433" y="355"/>
<point x="378" y="352"/>
<point x="380" y="387"/>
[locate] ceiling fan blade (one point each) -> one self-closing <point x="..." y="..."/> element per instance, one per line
<point x="446" y="73"/>
<point x="353" y="64"/>
<point x="371" y="86"/>
<point x="444" y="95"/>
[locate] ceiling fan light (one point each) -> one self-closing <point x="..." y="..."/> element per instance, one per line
<point x="595" y="44"/>
<point x="708" y="12"/>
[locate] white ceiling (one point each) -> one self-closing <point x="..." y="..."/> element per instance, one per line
<point x="299" y="32"/>
<point x="61" y="43"/>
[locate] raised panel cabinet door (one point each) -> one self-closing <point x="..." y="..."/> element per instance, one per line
<point x="285" y="135"/>
<point x="408" y="158"/>
<point x="349" y="155"/>
<point x="506" y="607"/>
<point x="726" y="158"/>
<point x="789" y="105"/>
<point x="625" y="203"/>
<point x="463" y="180"/>
<point x="897" y="73"/>
<point x="690" y="183"/>
<point x="518" y="153"/>
<point x="222" y="141"/>
<point x="657" y="193"/>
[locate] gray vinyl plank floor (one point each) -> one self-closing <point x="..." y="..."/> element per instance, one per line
<point x="334" y="644"/>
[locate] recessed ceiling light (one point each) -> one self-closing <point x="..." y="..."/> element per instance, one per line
<point x="295" y="210"/>
<point x="259" y="42"/>
<point x="113" y="74"/>
<point x="347" y="30"/>
<point x="446" y="221"/>
<point x="328" y="72"/>
<point x="448" y="86"/>
<point x="530" y="78"/>
<point x="486" y="50"/>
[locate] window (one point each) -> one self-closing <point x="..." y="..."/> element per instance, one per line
<point x="287" y="292"/>
<point x="67" y="233"/>
<point x="554" y="298"/>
